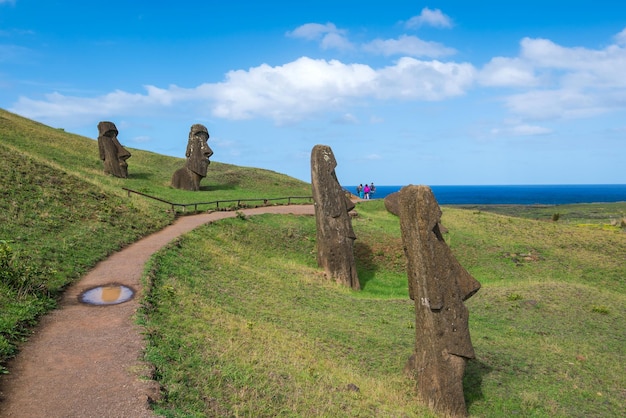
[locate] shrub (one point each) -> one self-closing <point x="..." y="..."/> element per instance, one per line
<point x="514" y="296"/>
<point x="601" y="309"/>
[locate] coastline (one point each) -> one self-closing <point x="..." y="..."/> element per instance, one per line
<point x="554" y="194"/>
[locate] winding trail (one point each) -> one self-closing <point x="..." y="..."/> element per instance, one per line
<point x="85" y="360"/>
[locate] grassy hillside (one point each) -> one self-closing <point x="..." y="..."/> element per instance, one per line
<point x="148" y="172"/>
<point x="241" y="323"/>
<point x="59" y="214"/>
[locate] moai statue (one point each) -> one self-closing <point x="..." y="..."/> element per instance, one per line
<point x="392" y="203"/>
<point x="335" y="236"/>
<point x="198" y="154"/>
<point x="438" y="284"/>
<point x="112" y="153"/>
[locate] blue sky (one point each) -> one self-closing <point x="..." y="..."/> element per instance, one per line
<point x="422" y="92"/>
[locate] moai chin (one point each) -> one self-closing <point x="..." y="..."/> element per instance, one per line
<point x="335" y="236"/>
<point x="438" y="284"/>
<point x="112" y="153"/>
<point x="198" y="154"/>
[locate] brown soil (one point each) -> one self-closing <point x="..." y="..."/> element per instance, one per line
<point x="85" y="360"/>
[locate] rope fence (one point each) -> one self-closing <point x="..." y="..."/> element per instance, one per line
<point x="226" y="204"/>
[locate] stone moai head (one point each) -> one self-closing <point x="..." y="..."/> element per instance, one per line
<point x="198" y="153"/>
<point x="112" y="153"/>
<point x="198" y="150"/>
<point x="438" y="284"/>
<point x="335" y="236"/>
<point x="392" y="203"/>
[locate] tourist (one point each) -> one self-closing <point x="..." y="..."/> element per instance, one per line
<point x="366" y="191"/>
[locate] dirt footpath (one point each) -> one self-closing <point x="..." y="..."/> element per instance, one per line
<point x="85" y="360"/>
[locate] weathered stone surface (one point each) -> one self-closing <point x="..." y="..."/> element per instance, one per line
<point x="392" y="203"/>
<point x="335" y="236"/>
<point x="198" y="154"/>
<point x="438" y="284"/>
<point x="112" y="153"/>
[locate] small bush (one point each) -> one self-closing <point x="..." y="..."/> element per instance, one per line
<point x="556" y="216"/>
<point x="601" y="309"/>
<point x="513" y="297"/>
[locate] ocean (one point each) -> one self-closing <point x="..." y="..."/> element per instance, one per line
<point x="517" y="194"/>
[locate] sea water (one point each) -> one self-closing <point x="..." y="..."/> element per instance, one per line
<point x="517" y="194"/>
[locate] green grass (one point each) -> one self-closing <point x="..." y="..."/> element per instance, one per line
<point x="249" y="311"/>
<point x="583" y="214"/>
<point x="540" y="250"/>
<point x="60" y="215"/>
<point x="240" y="321"/>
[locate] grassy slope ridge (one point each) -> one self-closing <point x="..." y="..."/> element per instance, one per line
<point x="241" y="322"/>
<point x="59" y="214"/>
<point x="148" y="172"/>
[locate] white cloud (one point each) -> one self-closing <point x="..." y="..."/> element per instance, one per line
<point x="329" y="36"/>
<point x="599" y="68"/>
<point x="335" y="41"/>
<point x="430" y="17"/>
<point x="508" y="72"/>
<point x="305" y="86"/>
<point x="556" y="104"/>
<point x="564" y="82"/>
<point x="521" y="130"/>
<point x="312" y="31"/>
<point x="285" y="93"/>
<point x="58" y="106"/>
<point x="408" y="45"/>
<point x="413" y="79"/>
<point x="290" y="91"/>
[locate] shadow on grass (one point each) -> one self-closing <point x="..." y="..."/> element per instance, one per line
<point x="215" y="187"/>
<point x="473" y="380"/>
<point x="139" y="176"/>
<point x="365" y="267"/>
